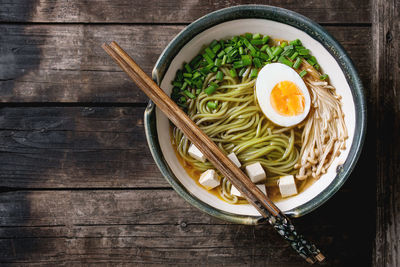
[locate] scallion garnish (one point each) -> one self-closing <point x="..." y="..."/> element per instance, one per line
<point x="236" y="55"/>
<point x="219" y="75"/>
<point x="284" y="60"/>
<point x="233" y="73"/>
<point x="211" y="89"/>
<point x="303" y="73"/>
<point x="253" y="73"/>
<point x="297" y="63"/>
<point x="324" y="77"/>
<point x="212" y="105"/>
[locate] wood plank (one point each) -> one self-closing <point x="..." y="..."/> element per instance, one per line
<point x="81" y="147"/>
<point x="75" y="147"/>
<point x="164" y="11"/>
<point x="124" y="226"/>
<point x="65" y="63"/>
<point x="386" y="128"/>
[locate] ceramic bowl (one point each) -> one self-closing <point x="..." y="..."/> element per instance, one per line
<point x="279" y="24"/>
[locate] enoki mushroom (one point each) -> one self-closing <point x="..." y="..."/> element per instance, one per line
<point x="325" y="131"/>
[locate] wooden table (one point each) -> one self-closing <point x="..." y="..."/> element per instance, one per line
<point x="78" y="184"/>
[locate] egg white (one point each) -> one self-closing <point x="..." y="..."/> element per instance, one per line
<point x="268" y="77"/>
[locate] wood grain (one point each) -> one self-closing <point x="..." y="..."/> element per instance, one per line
<point x="65" y="63"/>
<point x="111" y="226"/>
<point x="386" y="116"/>
<point x="75" y="147"/>
<point x="164" y="11"/>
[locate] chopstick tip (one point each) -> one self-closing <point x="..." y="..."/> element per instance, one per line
<point x="320" y="257"/>
<point x="311" y="260"/>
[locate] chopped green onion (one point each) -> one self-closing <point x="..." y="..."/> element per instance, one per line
<point x="312" y="60"/>
<point x="209" y="52"/>
<point x="214" y="69"/>
<point x="285" y="61"/>
<point x="256" y="36"/>
<point x="184" y="85"/>
<point x="224" y="60"/>
<point x="212" y="105"/>
<point x="182" y="99"/>
<point x="198" y="84"/>
<point x="324" y="77"/>
<point x="304" y="52"/>
<point x="195" y="61"/>
<point x="297" y="63"/>
<point x="196" y="75"/>
<point x="187" y="75"/>
<point x="303" y="73"/>
<point x="207" y="68"/>
<point x="287" y="52"/>
<point x="220" y="54"/>
<point x="288" y="47"/>
<point x="269" y="52"/>
<point x="246" y="60"/>
<point x="211" y="89"/>
<point x="249" y="45"/>
<point x="233" y="52"/>
<point x="214" y="43"/>
<point x="278" y="50"/>
<point x="198" y="91"/>
<point x="257" y="62"/>
<point x="208" y="59"/>
<point x="179" y="75"/>
<point x="216" y="48"/>
<point x="228" y="49"/>
<point x="188" y="68"/>
<point x="175" y="90"/>
<point x="283" y="44"/>
<point x="253" y="73"/>
<point x="293" y="57"/>
<point x="241" y="51"/>
<point x="264" y="56"/>
<point x="265" y="39"/>
<point x="219" y="75"/>
<point x="248" y="35"/>
<point x="295" y="42"/>
<point x="257" y="42"/>
<point x="238" y="64"/>
<point x="189" y="94"/>
<point x="176" y="83"/>
<point x="189" y="82"/>
<point x="316" y="66"/>
<point x="263" y="48"/>
<point x="233" y="73"/>
<point x="218" y="62"/>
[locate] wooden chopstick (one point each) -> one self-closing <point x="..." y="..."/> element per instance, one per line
<point x="220" y="161"/>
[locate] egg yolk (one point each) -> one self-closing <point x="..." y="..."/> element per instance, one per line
<point x="287" y="99"/>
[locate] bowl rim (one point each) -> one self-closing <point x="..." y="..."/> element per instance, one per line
<point x="286" y="17"/>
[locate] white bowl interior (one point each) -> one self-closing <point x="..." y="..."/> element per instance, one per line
<point x="277" y="31"/>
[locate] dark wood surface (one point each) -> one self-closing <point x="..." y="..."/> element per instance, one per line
<point x="77" y="181"/>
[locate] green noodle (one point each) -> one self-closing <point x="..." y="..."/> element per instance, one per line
<point x="238" y="125"/>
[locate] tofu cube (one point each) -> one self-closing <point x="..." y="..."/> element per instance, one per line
<point x="287" y="186"/>
<point x="195" y="153"/>
<point x="255" y="172"/>
<point x="234" y="159"/>
<point x="235" y="191"/>
<point x="209" y="179"/>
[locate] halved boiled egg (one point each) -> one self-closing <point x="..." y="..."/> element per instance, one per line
<point x="282" y="94"/>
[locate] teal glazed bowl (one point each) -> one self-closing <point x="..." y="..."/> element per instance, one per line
<point x="279" y="24"/>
